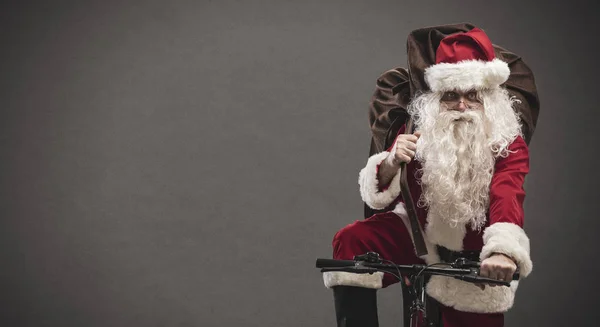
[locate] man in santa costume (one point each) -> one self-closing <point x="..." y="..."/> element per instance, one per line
<point x="466" y="164"/>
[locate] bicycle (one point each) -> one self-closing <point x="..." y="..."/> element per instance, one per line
<point x="371" y="262"/>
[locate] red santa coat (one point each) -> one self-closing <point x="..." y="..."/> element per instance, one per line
<point x="503" y="231"/>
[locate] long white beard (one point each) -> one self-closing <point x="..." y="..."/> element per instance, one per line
<point x="458" y="158"/>
<point x="457" y="168"/>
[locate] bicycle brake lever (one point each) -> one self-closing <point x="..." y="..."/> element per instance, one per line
<point x="370" y="257"/>
<point x="477" y="279"/>
<point x="465" y="263"/>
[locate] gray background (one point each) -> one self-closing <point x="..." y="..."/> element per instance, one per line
<point x="183" y="163"/>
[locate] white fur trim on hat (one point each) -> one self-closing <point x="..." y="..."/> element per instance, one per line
<point x="467" y="75"/>
<point x="342" y="278"/>
<point x="509" y="239"/>
<point x="465" y="296"/>
<point x="369" y="184"/>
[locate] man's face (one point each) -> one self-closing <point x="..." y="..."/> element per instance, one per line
<point x="461" y="101"/>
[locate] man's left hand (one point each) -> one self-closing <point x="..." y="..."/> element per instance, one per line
<point x="497" y="266"/>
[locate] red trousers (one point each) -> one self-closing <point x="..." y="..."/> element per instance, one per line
<point x="387" y="235"/>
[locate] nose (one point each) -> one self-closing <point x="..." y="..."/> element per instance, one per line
<point x="461" y="106"/>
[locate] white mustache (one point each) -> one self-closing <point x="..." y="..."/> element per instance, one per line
<point x="453" y="115"/>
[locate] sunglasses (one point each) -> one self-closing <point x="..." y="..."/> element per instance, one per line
<point x="455" y="97"/>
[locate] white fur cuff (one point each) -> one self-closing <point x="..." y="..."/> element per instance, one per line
<point x="369" y="184"/>
<point x="467" y="75"/>
<point x="468" y="297"/>
<point x="509" y="239"/>
<point x="342" y="278"/>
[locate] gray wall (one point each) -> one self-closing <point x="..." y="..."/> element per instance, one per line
<point x="182" y="163"/>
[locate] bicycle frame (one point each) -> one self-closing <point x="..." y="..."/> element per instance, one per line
<point x="418" y="307"/>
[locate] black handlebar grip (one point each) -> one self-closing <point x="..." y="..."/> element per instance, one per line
<point x="332" y="263"/>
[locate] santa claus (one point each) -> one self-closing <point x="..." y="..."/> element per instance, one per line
<point x="466" y="162"/>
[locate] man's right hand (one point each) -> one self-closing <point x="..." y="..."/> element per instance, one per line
<point x="404" y="149"/>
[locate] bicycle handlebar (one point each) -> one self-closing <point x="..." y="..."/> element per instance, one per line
<point x="469" y="274"/>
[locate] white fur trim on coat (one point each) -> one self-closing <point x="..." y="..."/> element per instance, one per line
<point x="509" y="239"/>
<point x="467" y="75"/>
<point x="342" y="278"/>
<point x="369" y="184"/>
<point x="465" y="296"/>
<point x="440" y="232"/>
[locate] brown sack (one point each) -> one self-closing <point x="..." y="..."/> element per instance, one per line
<point x="396" y="87"/>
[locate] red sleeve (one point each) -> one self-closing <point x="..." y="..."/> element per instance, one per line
<point x="506" y="189"/>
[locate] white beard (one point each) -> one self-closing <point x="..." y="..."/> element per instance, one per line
<point x="457" y="152"/>
<point x="457" y="168"/>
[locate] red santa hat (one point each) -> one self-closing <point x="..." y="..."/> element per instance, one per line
<point x="466" y="61"/>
